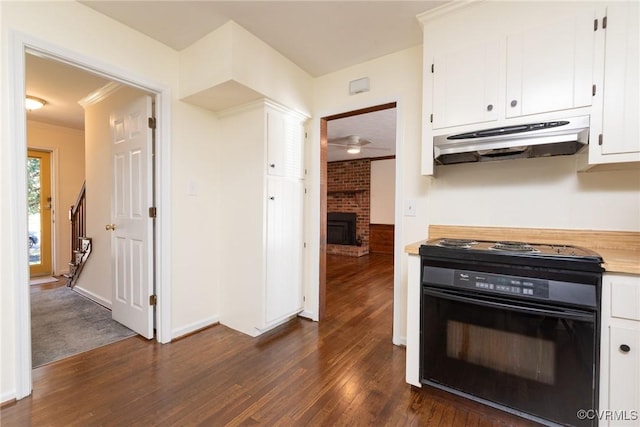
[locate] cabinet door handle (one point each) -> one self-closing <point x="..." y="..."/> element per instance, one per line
<point x="625" y="348"/>
<point x="272" y="165"/>
<point x="272" y="198"/>
<point x="514" y="103"/>
<point x="489" y="107"/>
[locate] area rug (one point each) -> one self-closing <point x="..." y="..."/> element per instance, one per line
<point x="42" y="280"/>
<point x="64" y="323"/>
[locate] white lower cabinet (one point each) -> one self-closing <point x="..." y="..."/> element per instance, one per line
<point x="283" y="290"/>
<point x="620" y="351"/>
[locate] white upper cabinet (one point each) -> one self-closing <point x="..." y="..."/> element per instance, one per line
<point x="615" y="131"/>
<point x="535" y="70"/>
<point x="550" y="67"/>
<point x="465" y="85"/>
<point x="490" y="64"/>
<point x="284" y="145"/>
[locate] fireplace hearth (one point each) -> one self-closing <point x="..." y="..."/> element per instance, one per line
<point x="341" y="228"/>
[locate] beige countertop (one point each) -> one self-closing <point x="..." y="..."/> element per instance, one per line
<point x="620" y="250"/>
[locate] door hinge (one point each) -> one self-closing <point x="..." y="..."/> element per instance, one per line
<point x="595" y="25"/>
<point x="431" y="118"/>
<point x="593" y="90"/>
<point x="153" y="300"/>
<point x="600" y="139"/>
<point x="304" y="244"/>
<point x="304" y="298"/>
<point x="305" y="191"/>
<point x="153" y="212"/>
<point x="604" y="23"/>
<point x="152" y="122"/>
<point x="433" y="67"/>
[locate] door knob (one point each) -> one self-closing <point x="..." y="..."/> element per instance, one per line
<point x="111" y="227"/>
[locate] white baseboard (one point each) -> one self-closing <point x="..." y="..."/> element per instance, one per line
<point x="5" y="397"/>
<point x="308" y="315"/>
<point x="93" y="297"/>
<point x="177" y="333"/>
<point x="400" y="341"/>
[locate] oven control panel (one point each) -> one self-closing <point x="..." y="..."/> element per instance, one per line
<point x="495" y="283"/>
<point x="579" y="294"/>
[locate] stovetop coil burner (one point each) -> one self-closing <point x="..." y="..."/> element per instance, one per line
<point x="514" y="247"/>
<point x="457" y="243"/>
<point x="512" y="252"/>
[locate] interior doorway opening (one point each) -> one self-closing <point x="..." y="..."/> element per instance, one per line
<point x="345" y="140"/>
<point x="17" y="192"/>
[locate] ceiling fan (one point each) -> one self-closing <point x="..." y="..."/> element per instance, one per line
<point x="353" y="143"/>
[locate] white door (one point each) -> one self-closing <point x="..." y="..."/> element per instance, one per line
<point x="132" y="228"/>
<point x="283" y="290"/>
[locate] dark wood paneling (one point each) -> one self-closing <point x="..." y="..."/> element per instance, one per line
<point x="381" y="238"/>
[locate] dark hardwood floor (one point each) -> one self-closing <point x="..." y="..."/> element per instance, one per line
<point x="341" y="371"/>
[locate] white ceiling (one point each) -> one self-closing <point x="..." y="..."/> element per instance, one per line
<point x="319" y="36"/>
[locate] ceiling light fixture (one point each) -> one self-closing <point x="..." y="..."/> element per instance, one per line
<point x="33" y="103"/>
<point x="353" y="150"/>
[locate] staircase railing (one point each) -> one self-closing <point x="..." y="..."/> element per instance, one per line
<point x="80" y="243"/>
<point x="78" y="217"/>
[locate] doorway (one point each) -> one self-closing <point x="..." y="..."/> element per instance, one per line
<point x="21" y="44"/>
<point x="83" y="155"/>
<point x="39" y="208"/>
<point x="359" y="138"/>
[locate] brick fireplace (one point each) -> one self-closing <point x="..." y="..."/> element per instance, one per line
<point x="348" y="191"/>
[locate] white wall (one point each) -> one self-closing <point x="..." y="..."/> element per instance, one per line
<point x="231" y="67"/>
<point x="395" y="77"/>
<point x="545" y="192"/>
<point x="67" y="146"/>
<point x="87" y="37"/>
<point x="383" y="191"/>
<point x="541" y="193"/>
<point x="81" y="33"/>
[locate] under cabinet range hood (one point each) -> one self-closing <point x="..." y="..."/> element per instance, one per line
<point x="536" y="139"/>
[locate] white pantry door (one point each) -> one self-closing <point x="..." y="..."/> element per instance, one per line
<point x="131" y="227"/>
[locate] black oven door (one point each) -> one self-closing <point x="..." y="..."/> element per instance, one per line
<point x="533" y="360"/>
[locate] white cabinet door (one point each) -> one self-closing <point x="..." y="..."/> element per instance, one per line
<point x="550" y="68"/>
<point x="621" y="126"/>
<point x="465" y="85"/>
<point x="284" y="145"/>
<point x="624" y="375"/>
<point x="283" y="289"/>
<point x="620" y="350"/>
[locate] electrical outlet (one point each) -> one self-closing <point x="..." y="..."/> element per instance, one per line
<point x="410" y="207"/>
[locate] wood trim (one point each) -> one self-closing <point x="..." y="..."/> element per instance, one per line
<point x="371" y="159"/>
<point x="361" y="111"/>
<point x="322" y="279"/>
<point x="381" y="238"/>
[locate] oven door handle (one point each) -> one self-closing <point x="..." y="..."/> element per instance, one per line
<point x="555" y="312"/>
